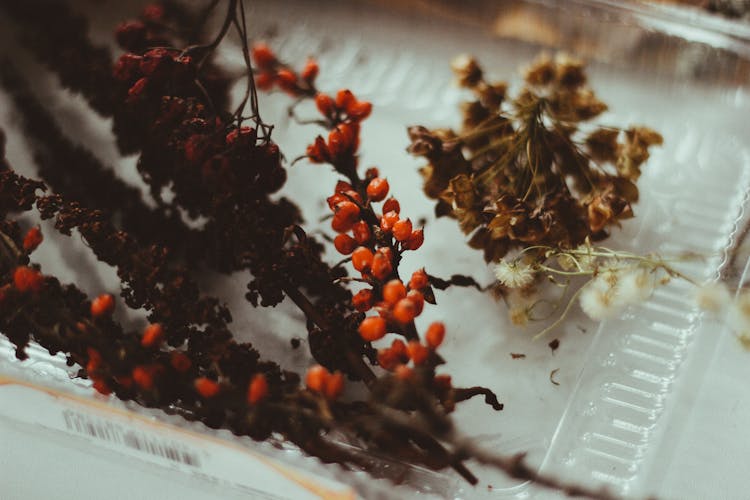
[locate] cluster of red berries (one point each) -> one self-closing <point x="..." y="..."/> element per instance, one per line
<point x="272" y="72"/>
<point x="154" y="70"/>
<point x="344" y="114"/>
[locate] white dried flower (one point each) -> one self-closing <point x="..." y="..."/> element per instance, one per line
<point x="713" y="297"/>
<point x="514" y="274"/>
<point x="635" y="285"/>
<point x="599" y="299"/>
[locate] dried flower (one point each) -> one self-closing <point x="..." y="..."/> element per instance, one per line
<point x="514" y="274"/>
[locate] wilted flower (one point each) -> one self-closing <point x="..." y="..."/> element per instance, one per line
<point x="514" y="274"/>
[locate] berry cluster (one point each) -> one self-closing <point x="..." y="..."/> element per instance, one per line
<point x="273" y="73"/>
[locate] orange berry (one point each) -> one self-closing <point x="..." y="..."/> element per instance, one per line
<point x="362" y="258"/>
<point x="361" y="231"/>
<point x="287" y="79"/>
<point x="372" y="172"/>
<point x="404" y="311"/>
<point x="402" y="230"/>
<point x="143" y="376"/>
<point x="102" y="305"/>
<point x="316" y="378"/>
<point x="415" y="240"/>
<point x="344" y="99"/>
<point x="359" y="110"/>
<point x="263" y="55"/>
<point x="377" y="189"/>
<point x="180" y="361"/>
<point x="362" y="300"/>
<point x="101" y="387"/>
<point x="264" y="81"/>
<point x="403" y="372"/>
<point x="32" y="239"/>
<point x="325" y="104"/>
<point x="419" y="280"/>
<point x="381" y="266"/>
<point x="388" y="220"/>
<point x="310" y="71"/>
<point x="347" y="210"/>
<point x="27" y="279"/>
<point x="153" y="335"/>
<point x="206" y="387"/>
<point x="342" y="187"/>
<point x="387" y="252"/>
<point x="258" y="389"/>
<point x="388" y="359"/>
<point x="417" y="352"/>
<point x="418" y="298"/>
<point x="435" y="334"/>
<point x="334" y="385"/>
<point x="344" y="243"/>
<point x="393" y="291"/>
<point x="318" y="151"/>
<point x="340" y="223"/>
<point x="399" y="348"/>
<point x="372" y="328"/>
<point x="391" y="205"/>
<point x="343" y="138"/>
<point x="353" y="195"/>
<point x="336" y="199"/>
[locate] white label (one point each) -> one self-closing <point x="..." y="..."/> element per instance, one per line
<point x="210" y="459"/>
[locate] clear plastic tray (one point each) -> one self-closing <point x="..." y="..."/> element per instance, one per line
<point x="682" y="74"/>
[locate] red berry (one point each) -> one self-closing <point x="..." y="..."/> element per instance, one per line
<point x="414" y="241"/>
<point x="143" y="376"/>
<point x="344" y="243"/>
<point x="418" y="298"/>
<point x="362" y="300"/>
<point x="361" y="231"/>
<point x="334" y="385"/>
<point x="388" y="220"/>
<point x="391" y="205"/>
<point x="310" y="71"/>
<point x="417" y="352"/>
<point x="101" y="387"/>
<point x="399" y="348"/>
<point x="348" y="210"/>
<point x="402" y="230"/>
<point x="359" y="110"/>
<point x="153" y="335"/>
<point x="103" y="305"/>
<point x="335" y="199"/>
<point x="372" y="172"/>
<point x="206" y="387"/>
<point x="180" y="361"/>
<point x="263" y="55"/>
<point x="387" y="252"/>
<point x="342" y="187"/>
<point x="318" y="151"/>
<point x="404" y="311"/>
<point x="153" y="12"/>
<point x="325" y="104"/>
<point x="388" y="359"/>
<point x="344" y="99"/>
<point x="135" y="91"/>
<point x="264" y="81"/>
<point x="26" y="279"/>
<point x="435" y="334"/>
<point x="316" y="377"/>
<point x="393" y="291"/>
<point x="258" y="389"/>
<point x="377" y="189"/>
<point x="372" y="328"/>
<point x="362" y="259"/>
<point x="287" y="79"/>
<point x="381" y="266"/>
<point x="419" y="280"/>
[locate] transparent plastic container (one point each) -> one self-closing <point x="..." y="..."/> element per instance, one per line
<point x="683" y="73"/>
